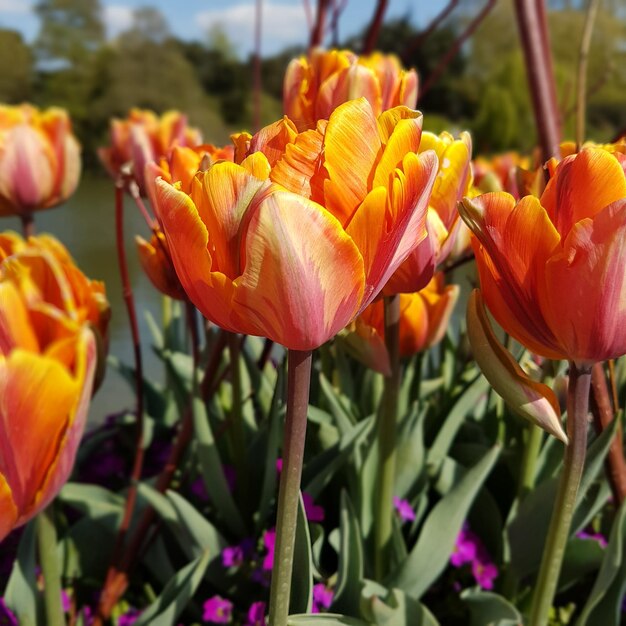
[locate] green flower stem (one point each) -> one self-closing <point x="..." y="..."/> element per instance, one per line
<point x="298" y="382"/>
<point x="532" y="447"/>
<point x="574" y="460"/>
<point x="386" y="434"/>
<point x="235" y="430"/>
<point x="47" y="542"/>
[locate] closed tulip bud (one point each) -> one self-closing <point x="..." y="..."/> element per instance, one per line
<point x="300" y="235"/>
<point x="142" y="138"/>
<point x="39" y="159"/>
<point x="315" y="86"/>
<point x="424" y="318"/>
<point x="48" y="363"/>
<point x="156" y="262"/>
<point x="552" y="270"/>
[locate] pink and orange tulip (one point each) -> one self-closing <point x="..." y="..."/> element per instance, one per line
<point x="424" y="318"/>
<point x="315" y="86"/>
<point x="144" y="137"/>
<point x="552" y="270"/>
<point x="299" y="235"/>
<point x="39" y="159"/>
<point x="454" y="179"/>
<point x="48" y="362"/>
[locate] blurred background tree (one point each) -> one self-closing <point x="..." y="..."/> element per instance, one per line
<point x="71" y="63"/>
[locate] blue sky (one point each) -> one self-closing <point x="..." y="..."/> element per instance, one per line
<point x="284" y="21"/>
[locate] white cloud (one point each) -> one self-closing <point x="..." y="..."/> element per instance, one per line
<point x="117" y="18"/>
<point x="15" y="6"/>
<point x="281" y="25"/>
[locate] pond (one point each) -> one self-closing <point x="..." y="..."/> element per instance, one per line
<point x="85" y="224"/>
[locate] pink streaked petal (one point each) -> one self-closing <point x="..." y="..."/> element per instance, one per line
<point x="303" y="279"/>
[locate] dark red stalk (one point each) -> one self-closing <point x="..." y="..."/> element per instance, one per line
<point x="428" y="31"/>
<point x="308" y="14"/>
<point x="374" y="28"/>
<point x="257" y="66"/>
<point x="454" y="49"/>
<point x="532" y="25"/>
<point x="317" y="35"/>
<point x="28" y="224"/>
<point x="105" y="606"/>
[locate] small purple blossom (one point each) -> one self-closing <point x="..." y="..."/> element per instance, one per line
<point x="314" y="512"/>
<point x="269" y="541"/>
<point x="198" y="489"/>
<point x="599" y="537"/>
<point x="231" y="476"/>
<point x="279" y="465"/>
<point x="217" y="610"/>
<point x="232" y="556"/>
<point x="256" y="614"/>
<point x="128" y="618"/>
<point x="484" y="573"/>
<point x="322" y="597"/>
<point x="404" y="509"/>
<point x="7" y="617"/>
<point x="465" y="548"/>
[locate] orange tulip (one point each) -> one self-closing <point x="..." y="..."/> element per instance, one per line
<point x="48" y="361"/>
<point x="156" y="262"/>
<point x="424" y="318"/>
<point x="453" y="181"/>
<point x="145" y="137"/>
<point x="553" y="270"/>
<point x="315" y="86"/>
<point x="39" y="159"/>
<point x="297" y="237"/>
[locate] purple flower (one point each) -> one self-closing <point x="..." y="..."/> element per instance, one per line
<point x="599" y="537"/>
<point x="484" y="573"/>
<point x="256" y="614"/>
<point x="217" y="610"/>
<point x="465" y="549"/>
<point x="231" y="476"/>
<point x="65" y="601"/>
<point x="314" y="512"/>
<point x="232" y="556"/>
<point x="7" y="617"/>
<point x="279" y="465"/>
<point x="404" y="509"/>
<point x="322" y="597"/>
<point x="198" y="489"/>
<point x="128" y="618"/>
<point x="269" y="541"/>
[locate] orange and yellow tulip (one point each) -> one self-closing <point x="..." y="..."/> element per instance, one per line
<point x="424" y="318"/>
<point x="553" y="270"/>
<point x="48" y="362"/>
<point x="315" y="86"/>
<point x="144" y="137"/>
<point x="39" y="159"/>
<point x="299" y="235"/>
<point x="156" y="262"/>
<point x="453" y="181"/>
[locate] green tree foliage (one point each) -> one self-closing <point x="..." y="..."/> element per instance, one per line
<point x="16" y="76"/>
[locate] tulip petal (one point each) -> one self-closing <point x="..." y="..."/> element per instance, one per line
<point x="515" y="244"/>
<point x="42" y="393"/>
<point x="303" y="279"/>
<point x="364" y="343"/>
<point x="351" y="147"/>
<point x="585" y="301"/>
<point x="531" y="400"/>
<point x="8" y="510"/>
<point x="273" y="139"/>
<point x="15" y="325"/>
<point x="187" y="238"/>
<point x="582" y="185"/>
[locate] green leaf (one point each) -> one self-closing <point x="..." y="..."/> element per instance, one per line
<point x="92" y="500"/>
<point x="338" y="405"/>
<point x="302" y="580"/>
<point x="350" y="569"/>
<point x="490" y="609"/>
<point x="410" y="458"/>
<point x="213" y="471"/>
<point x="325" y="619"/>
<point x="604" y="605"/>
<point x="440" y="531"/>
<point x="397" y="609"/>
<point x="179" y="590"/>
<point x="21" y="591"/>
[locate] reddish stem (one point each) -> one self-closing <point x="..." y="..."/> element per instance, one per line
<point x="430" y="29"/>
<point x="454" y="49"/>
<point x="374" y="29"/>
<point x="106" y="605"/>
<point x="28" y="224"/>
<point x="308" y="14"/>
<point x="317" y="35"/>
<point x="532" y="24"/>
<point x="257" y="66"/>
<point x="338" y="8"/>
